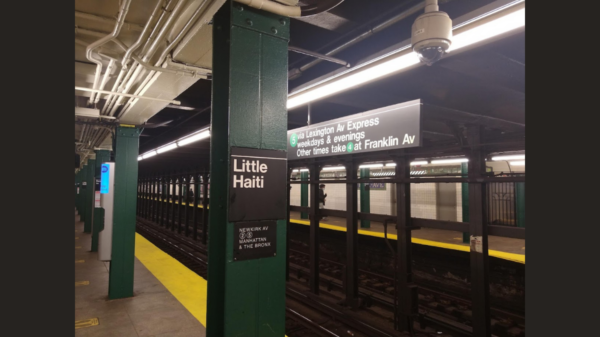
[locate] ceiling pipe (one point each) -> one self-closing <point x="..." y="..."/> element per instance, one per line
<point x="142" y="36"/>
<point x="148" y="55"/>
<point x="110" y="21"/>
<point x="288" y="2"/>
<point x="273" y="7"/>
<point x="319" y="7"/>
<point x="151" y="77"/>
<point x="125" y="76"/>
<point x="185" y="70"/>
<point x="318" y="56"/>
<point x="128" y="95"/>
<point x="119" y="24"/>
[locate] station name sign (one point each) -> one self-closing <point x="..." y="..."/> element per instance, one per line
<point x="393" y="127"/>
<point x="258" y="184"/>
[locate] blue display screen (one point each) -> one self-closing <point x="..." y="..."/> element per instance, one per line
<point x="104" y="177"/>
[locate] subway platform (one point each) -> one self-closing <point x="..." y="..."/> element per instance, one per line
<point x="169" y="300"/>
<point x="501" y="247"/>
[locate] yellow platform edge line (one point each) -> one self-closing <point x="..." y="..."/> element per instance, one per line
<point x="495" y="253"/>
<point x="185" y="285"/>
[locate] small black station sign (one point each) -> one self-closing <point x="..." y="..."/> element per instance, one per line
<point x="254" y="239"/>
<point x="258" y="184"/>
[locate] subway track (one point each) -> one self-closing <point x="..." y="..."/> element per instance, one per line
<point x="325" y="315"/>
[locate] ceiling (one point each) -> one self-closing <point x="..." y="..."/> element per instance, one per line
<point x="487" y="81"/>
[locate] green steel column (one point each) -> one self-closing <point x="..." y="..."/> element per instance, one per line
<point x="77" y="178"/>
<point x="245" y="298"/>
<point x="304" y="194"/>
<point x="102" y="156"/>
<point x="365" y="198"/>
<point x="520" y="200"/>
<point x="120" y="282"/>
<point x="464" y="170"/>
<point x="82" y="196"/>
<point x="89" y="196"/>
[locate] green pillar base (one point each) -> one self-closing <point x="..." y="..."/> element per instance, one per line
<point x="120" y="283"/>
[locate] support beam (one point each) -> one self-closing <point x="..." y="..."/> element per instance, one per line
<point x="406" y="290"/>
<point x="246" y="297"/>
<point x="304" y="194"/>
<point x="365" y="197"/>
<point x="520" y="201"/>
<point x="205" y="209"/>
<point x="465" y="199"/>
<point x="351" y="280"/>
<point x="195" y="205"/>
<point x="480" y="286"/>
<point x="314" y="235"/>
<point x="123" y="242"/>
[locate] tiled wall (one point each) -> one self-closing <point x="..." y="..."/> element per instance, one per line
<point x="423" y="199"/>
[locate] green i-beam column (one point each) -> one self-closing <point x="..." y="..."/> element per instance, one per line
<point x="89" y="195"/>
<point x="304" y="194"/>
<point x="246" y="297"/>
<point x="82" y="197"/>
<point x="120" y="282"/>
<point x="520" y="200"/>
<point x="464" y="170"/>
<point x="365" y="198"/>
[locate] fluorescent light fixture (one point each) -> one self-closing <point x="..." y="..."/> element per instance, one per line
<point x="194" y="137"/>
<point x="166" y="148"/>
<point x="517" y="163"/>
<point x="296" y="170"/>
<point x="140" y="158"/>
<point x="303" y="170"/>
<point x="360" y="77"/>
<point x="390" y="164"/>
<point x="173" y="106"/>
<point x="419" y="162"/>
<point x="149" y="154"/>
<point x="450" y="161"/>
<point x="370" y="165"/>
<point x="488" y="30"/>
<point x="504" y="23"/>
<point x="512" y="157"/>
<point x="334" y="168"/>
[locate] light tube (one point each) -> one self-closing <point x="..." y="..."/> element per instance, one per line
<point x="149" y="154"/>
<point x="296" y="170"/>
<point x="333" y="168"/>
<point x="390" y="164"/>
<point x="360" y="77"/>
<point x="419" y="162"/>
<point x="303" y="170"/>
<point x="370" y="165"/>
<point x="518" y="156"/>
<point x="140" y="158"/>
<point x="517" y="163"/>
<point x="167" y="148"/>
<point x="471" y="36"/>
<point x="488" y="30"/>
<point x="193" y="138"/>
<point x="450" y="161"/>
